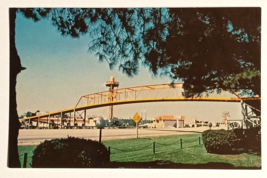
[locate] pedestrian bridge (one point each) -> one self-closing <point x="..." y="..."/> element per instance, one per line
<point x="145" y="93"/>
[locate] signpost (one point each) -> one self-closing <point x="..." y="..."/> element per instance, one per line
<point x="100" y="123"/>
<point x="136" y="119"/>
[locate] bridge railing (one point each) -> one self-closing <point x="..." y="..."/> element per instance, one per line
<point x="151" y="92"/>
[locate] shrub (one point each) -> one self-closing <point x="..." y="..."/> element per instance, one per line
<point x="210" y="125"/>
<point x="70" y="153"/>
<point x="249" y="138"/>
<point x="219" y="141"/>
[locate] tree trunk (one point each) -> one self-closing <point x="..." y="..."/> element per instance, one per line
<point x="15" y="68"/>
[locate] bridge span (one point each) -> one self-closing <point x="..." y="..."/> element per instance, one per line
<point x="139" y="94"/>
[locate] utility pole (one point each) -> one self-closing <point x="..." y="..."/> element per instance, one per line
<point x="143" y="116"/>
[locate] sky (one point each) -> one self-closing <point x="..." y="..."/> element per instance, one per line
<point x="60" y="70"/>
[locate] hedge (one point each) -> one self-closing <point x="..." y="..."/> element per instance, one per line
<point x="249" y="138"/>
<point x="219" y="141"/>
<point x="70" y="153"/>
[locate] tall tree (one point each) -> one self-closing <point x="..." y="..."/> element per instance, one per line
<point x="15" y="69"/>
<point x="206" y="48"/>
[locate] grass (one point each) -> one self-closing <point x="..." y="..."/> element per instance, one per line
<point x="138" y="153"/>
<point x="22" y="151"/>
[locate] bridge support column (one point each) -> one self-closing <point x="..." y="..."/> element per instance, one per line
<point x="70" y="120"/>
<point x="246" y="115"/>
<point x="48" y="118"/>
<point x="38" y="122"/>
<point x="84" y="122"/>
<point x="58" y="118"/>
<point x="74" y="117"/>
<point x="61" y="119"/>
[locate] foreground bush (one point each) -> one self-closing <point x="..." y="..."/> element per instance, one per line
<point x="249" y="138"/>
<point x="219" y="141"/>
<point x="70" y="153"/>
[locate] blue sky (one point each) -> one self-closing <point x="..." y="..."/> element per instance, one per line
<point x="60" y="70"/>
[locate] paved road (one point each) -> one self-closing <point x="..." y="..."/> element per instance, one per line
<point x="34" y="137"/>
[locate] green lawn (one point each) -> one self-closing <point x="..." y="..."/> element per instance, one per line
<point x="138" y="153"/>
<point x="22" y="151"/>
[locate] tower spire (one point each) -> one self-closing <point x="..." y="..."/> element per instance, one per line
<point x="111" y="84"/>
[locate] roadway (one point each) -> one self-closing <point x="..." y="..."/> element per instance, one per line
<point x="34" y="136"/>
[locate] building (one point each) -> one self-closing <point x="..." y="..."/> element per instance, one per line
<point x="168" y="121"/>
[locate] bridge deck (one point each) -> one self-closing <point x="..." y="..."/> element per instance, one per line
<point x="146" y="93"/>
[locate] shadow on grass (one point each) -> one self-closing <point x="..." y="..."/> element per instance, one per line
<point x="171" y="165"/>
<point x="181" y="131"/>
<point x="237" y="151"/>
<point x="144" y="138"/>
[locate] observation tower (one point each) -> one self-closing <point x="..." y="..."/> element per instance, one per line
<point x="111" y="84"/>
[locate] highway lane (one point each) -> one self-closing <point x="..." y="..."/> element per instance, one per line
<point x="34" y="136"/>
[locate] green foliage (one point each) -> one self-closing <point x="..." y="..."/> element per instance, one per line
<point x="28" y="114"/>
<point x="219" y="141"/>
<point x="175" y="42"/>
<point x="248" y="80"/>
<point x="210" y="125"/>
<point x="130" y="122"/>
<point x="26" y="149"/>
<point x="192" y="153"/>
<point x="70" y="153"/>
<point x="249" y="138"/>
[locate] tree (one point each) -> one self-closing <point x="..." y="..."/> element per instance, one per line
<point x="15" y="69"/>
<point x="206" y="48"/>
<point x="28" y="114"/>
<point x="225" y="52"/>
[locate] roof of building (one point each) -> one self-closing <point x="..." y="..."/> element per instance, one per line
<point x="165" y="118"/>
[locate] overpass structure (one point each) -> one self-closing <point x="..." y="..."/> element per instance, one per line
<point x="137" y="94"/>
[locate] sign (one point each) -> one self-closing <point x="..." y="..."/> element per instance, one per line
<point x="100" y="123"/>
<point x="136" y="118"/>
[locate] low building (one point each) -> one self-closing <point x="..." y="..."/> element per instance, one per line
<point x="181" y="122"/>
<point x="196" y="123"/>
<point x="168" y="121"/>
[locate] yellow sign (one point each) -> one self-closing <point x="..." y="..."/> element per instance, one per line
<point x="136" y="118"/>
